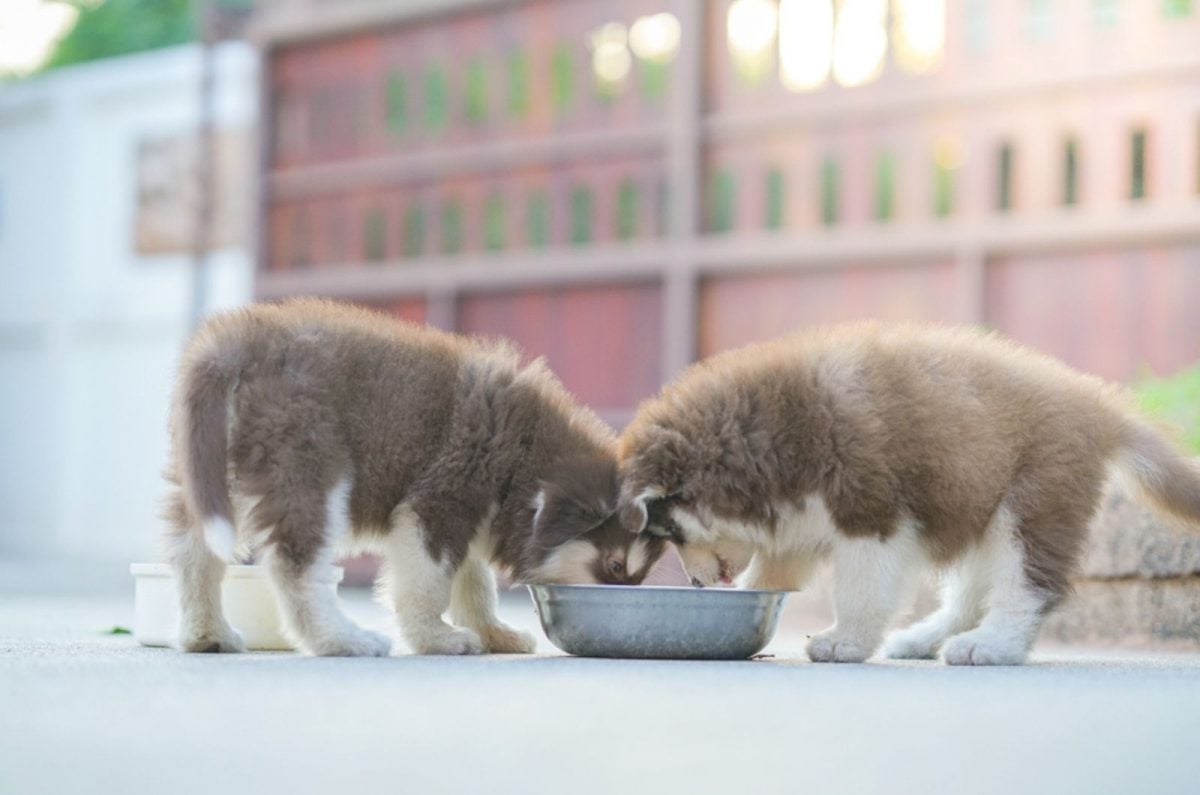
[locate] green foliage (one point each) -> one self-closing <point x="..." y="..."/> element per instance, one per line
<point x="627" y="209"/>
<point x="374" y="236"/>
<point x="581" y="215"/>
<point x="885" y="187"/>
<point x="1176" y="400"/>
<point x="652" y="78"/>
<point x="437" y="102"/>
<point x="721" y="201"/>
<point x="452" y="227"/>
<point x="493" y="222"/>
<point x="119" y="27"/>
<point x="830" y="201"/>
<point x="537" y="218"/>
<point x="397" y="101"/>
<point x="943" y="190"/>
<point x="518" y="83"/>
<point x="774" y="195"/>
<point x="562" y="73"/>
<point x="477" y="92"/>
<point x="414" y="231"/>
<point x="1177" y="8"/>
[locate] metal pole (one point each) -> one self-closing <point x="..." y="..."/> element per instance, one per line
<point x="680" y="286"/>
<point x="205" y="161"/>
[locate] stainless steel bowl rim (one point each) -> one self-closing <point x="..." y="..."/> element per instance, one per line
<point x="657" y="621"/>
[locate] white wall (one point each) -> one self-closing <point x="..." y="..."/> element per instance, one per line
<point x="89" y="329"/>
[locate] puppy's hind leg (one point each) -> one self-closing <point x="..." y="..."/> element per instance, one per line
<point x="304" y="538"/>
<point x="962" y="593"/>
<point x="473" y="605"/>
<point x="1014" y="607"/>
<point x="198" y="575"/>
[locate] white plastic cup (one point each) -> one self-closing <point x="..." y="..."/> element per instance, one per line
<point x="246" y="597"/>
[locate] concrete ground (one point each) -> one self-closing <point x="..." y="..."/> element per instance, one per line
<point x="82" y="711"/>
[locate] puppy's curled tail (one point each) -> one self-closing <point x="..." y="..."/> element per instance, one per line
<point x="203" y="441"/>
<point x="1170" y="480"/>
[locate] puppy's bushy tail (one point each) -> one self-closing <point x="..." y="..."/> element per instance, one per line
<point x="203" y="439"/>
<point x="1159" y="470"/>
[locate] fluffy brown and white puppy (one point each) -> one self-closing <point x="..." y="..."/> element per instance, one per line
<point x="886" y="449"/>
<point x="310" y="427"/>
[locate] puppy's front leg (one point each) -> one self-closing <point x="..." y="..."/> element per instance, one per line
<point x="473" y="605"/>
<point x="787" y="573"/>
<point x="870" y="577"/>
<point x="419" y="586"/>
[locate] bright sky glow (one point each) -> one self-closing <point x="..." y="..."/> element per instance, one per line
<point x="919" y="34"/>
<point x="860" y="41"/>
<point x="27" y="30"/>
<point x="805" y="43"/>
<point x="610" y="53"/>
<point x="655" y="37"/>
<point x="750" y="28"/>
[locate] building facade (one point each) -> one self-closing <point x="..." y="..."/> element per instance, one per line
<point x="96" y="173"/>
<point x="623" y="186"/>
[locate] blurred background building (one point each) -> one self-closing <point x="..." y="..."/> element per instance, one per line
<point x="97" y="192"/>
<point x="622" y="186"/>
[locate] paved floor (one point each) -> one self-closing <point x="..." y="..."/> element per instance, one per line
<point x="86" y="712"/>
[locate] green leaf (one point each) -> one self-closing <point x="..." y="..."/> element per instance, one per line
<point x="374" y="236"/>
<point x="414" y="231"/>
<point x="830" y="200"/>
<point x="120" y="27"/>
<point x="1175" y="400"/>
<point x="775" y="192"/>
<point x="476" y="92"/>
<point x="627" y="209"/>
<point x="436" y="99"/>
<point x="518" y="83"/>
<point x="581" y="215"/>
<point x="397" y="102"/>
<point x="561" y="78"/>
<point x="537" y="219"/>
<point x="722" y="201"/>
<point x="452" y="227"/>
<point x="885" y="186"/>
<point x="493" y="222"/>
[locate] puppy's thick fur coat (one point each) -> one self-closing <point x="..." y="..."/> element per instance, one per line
<point x="884" y="448"/>
<point x="308" y="427"/>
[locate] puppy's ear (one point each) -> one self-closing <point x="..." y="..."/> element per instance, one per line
<point x="634" y="509"/>
<point x="559" y="518"/>
<point x="579" y="497"/>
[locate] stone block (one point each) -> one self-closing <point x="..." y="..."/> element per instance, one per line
<point x="1127" y="540"/>
<point x="1163" y="613"/>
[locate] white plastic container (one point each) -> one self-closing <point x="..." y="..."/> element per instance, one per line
<point x="246" y="597"/>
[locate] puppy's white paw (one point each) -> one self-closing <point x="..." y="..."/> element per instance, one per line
<point x="975" y="648"/>
<point x="220" y="638"/>
<point x="908" y="645"/>
<point x="455" y="641"/>
<point x="503" y="639"/>
<point x="833" y="647"/>
<point x="358" y="643"/>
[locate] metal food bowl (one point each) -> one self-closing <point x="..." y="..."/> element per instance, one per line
<point x="657" y="622"/>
